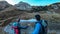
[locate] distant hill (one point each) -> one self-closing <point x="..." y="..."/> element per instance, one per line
<point x="23" y="6"/>
<point x="4" y="5"/>
<point x="10" y="11"/>
<point x="54" y="7"/>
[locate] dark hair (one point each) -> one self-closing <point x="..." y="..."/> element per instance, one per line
<point x="37" y="17"/>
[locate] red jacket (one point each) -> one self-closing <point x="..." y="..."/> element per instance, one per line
<point x="16" y="29"/>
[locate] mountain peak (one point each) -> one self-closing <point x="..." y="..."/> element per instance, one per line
<point x="23" y="6"/>
<point x="4" y="5"/>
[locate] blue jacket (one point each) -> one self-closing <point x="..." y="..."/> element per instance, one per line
<point x="37" y="28"/>
<point x="40" y="27"/>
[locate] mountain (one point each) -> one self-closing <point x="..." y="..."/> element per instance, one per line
<point x="54" y="7"/>
<point x="23" y="6"/>
<point x="19" y="9"/>
<point x="4" y="5"/>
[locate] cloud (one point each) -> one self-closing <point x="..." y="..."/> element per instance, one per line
<point x="10" y="2"/>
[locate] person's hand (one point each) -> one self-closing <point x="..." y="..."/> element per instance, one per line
<point x="19" y="20"/>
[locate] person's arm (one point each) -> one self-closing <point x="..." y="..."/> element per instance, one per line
<point x="37" y="29"/>
<point x="6" y="22"/>
<point x="24" y="27"/>
<point x="28" y="21"/>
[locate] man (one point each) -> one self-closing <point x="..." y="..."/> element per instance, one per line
<point x="17" y="28"/>
<point x="40" y="27"/>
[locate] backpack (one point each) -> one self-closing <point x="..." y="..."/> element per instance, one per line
<point x="43" y="27"/>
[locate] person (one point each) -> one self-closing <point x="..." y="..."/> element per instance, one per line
<point x="41" y="26"/>
<point x="17" y="28"/>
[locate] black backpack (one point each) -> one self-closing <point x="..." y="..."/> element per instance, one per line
<point x="43" y="27"/>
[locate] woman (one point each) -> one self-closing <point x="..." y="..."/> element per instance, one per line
<point x="17" y="28"/>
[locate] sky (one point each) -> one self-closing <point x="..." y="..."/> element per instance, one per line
<point x="1" y="0"/>
<point x="34" y="2"/>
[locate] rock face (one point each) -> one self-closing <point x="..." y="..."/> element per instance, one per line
<point x="23" y="6"/>
<point x="54" y="7"/>
<point x="4" y="5"/>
